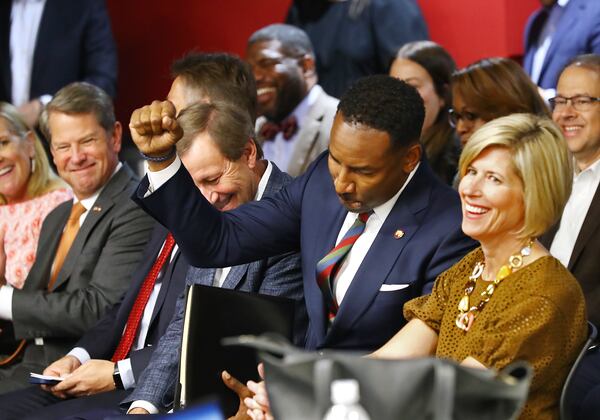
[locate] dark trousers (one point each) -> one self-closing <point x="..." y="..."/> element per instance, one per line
<point x="35" y="403"/>
<point x="585" y="388"/>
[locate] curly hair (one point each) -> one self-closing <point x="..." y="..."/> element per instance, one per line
<point x="386" y="104"/>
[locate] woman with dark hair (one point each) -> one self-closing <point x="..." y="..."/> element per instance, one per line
<point x="491" y="88"/>
<point x="428" y="67"/>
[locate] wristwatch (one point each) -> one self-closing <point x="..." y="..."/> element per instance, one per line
<point x="117" y="378"/>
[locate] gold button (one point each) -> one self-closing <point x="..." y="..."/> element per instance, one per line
<point x="398" y="234"/>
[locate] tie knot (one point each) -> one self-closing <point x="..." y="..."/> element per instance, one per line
<point x="287" y="127"/>
<point x="365" y="216"/>
<point x="76" y="211"/>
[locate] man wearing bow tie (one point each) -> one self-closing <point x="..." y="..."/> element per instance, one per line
<point x="296" y="113"/>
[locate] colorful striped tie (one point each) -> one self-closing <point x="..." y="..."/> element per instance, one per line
<point x="328" y="266"/>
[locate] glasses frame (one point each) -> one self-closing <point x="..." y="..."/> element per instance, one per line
<point x="574" y="104"/>
<point x="454" y="117"/>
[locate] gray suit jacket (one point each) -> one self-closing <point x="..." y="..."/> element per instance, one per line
<point x="584" y="263"/>
<point x="278" y="275"/>
<point x="313" y="134"/>
<point x="95" y="275"/>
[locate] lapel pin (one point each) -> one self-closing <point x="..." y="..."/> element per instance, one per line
<point x="398" y="234"/>
<point x="96" y="208"/>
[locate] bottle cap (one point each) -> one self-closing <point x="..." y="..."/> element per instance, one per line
<point x="345" y="391"/>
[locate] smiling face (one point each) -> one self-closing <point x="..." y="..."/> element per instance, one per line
<point x="492" y="197"/>
<point x="366" y="172"/>
<point x="15" y="163"/>
<point x="470" y="121"/>
<point x="415" y="75"/>
<point x="580" y="128"/>
<point x="84" y="153"/>
<point x="224" y="183"/>
<point x="279" y="78"/>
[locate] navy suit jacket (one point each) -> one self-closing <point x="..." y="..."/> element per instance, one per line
<point x="74" y="43"/>
<point x="102" y="340"/>
<point x="577" y="32"/>
<point x="307" y="216"/>
<point x="279" y="275"/>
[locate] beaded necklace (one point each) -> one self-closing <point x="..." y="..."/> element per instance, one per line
<point x="467" y="312"/>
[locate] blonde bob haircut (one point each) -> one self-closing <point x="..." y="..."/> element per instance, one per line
<point x="42" y="180"/>
<point x="540" y="159"/>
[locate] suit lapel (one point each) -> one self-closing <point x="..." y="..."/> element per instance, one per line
<point x="164" y="288"/>
<point x="202" y="276"/>
<point x="567" y="21"/>
<point x="590" y="225"/>
<point x="308" y="136"/>
<point x="49" y="243"/>
<point x="100" y="208"/>
<point x="384" y="251"/>
<point x="45" y="33"/>
<point x="236" y="274"/>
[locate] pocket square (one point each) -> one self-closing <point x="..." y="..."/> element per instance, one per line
<point x="392" y="287"/>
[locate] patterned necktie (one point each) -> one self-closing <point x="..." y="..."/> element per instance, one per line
<point x="328" y="266"/>
<point x="287" y="127"/>
<point x="137" y="311"/>
<point x="66" y="240"/>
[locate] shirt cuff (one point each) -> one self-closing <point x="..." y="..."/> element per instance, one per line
<point x="149" y="407"/>
<point x="126" y="373"/>
<point x="6" y="293"/>
<point x="158" y="178"/>
<point x="80" y="354"/>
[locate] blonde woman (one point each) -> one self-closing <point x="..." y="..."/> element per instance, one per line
<point x="29" y="190"/>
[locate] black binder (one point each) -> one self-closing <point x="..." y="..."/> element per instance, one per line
<point x="214" y="313"/>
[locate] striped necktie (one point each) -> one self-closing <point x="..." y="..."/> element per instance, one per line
<point x="328" y="266"/>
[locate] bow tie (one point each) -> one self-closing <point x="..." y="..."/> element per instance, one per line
<point x="287" y="127"/>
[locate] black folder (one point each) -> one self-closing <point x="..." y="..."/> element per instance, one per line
<point x="212" y="314"/>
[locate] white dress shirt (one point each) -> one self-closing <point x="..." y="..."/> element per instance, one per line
<point x="585" y="184"/>
<point x="125" y="369"/>
<point x="25" y="18"/>
<point x="359" y="250"/>
<point x="279" y="150"/>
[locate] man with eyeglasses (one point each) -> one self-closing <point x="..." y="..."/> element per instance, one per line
<point x="296" y="113"/>
<point x="576" y="239"/>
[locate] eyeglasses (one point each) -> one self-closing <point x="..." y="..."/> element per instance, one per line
<point x="578" y="102"/>
<point x="466" y="116"/>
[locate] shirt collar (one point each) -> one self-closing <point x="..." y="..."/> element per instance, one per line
<point x="262" y="184"/>
<point x="593" y="169"/>
<point x="383" y="210"/>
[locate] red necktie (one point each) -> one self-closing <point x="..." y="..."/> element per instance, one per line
<point x="137" y="311"/>
<point x="328" y="266"/>
<point x="287" y="127"/>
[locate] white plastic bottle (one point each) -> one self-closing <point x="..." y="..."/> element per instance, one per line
<point x="345" y="397"/>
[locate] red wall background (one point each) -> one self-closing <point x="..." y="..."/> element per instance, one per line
<point x="150" y="35"/>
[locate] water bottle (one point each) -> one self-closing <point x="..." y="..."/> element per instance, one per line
<point x="345" y="397"/>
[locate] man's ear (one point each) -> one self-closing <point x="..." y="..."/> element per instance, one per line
<point x="250" y="154"/>
<point x="307" y="62"/>
<point x="116" y="137"/>
<point x="412" y="157"/>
